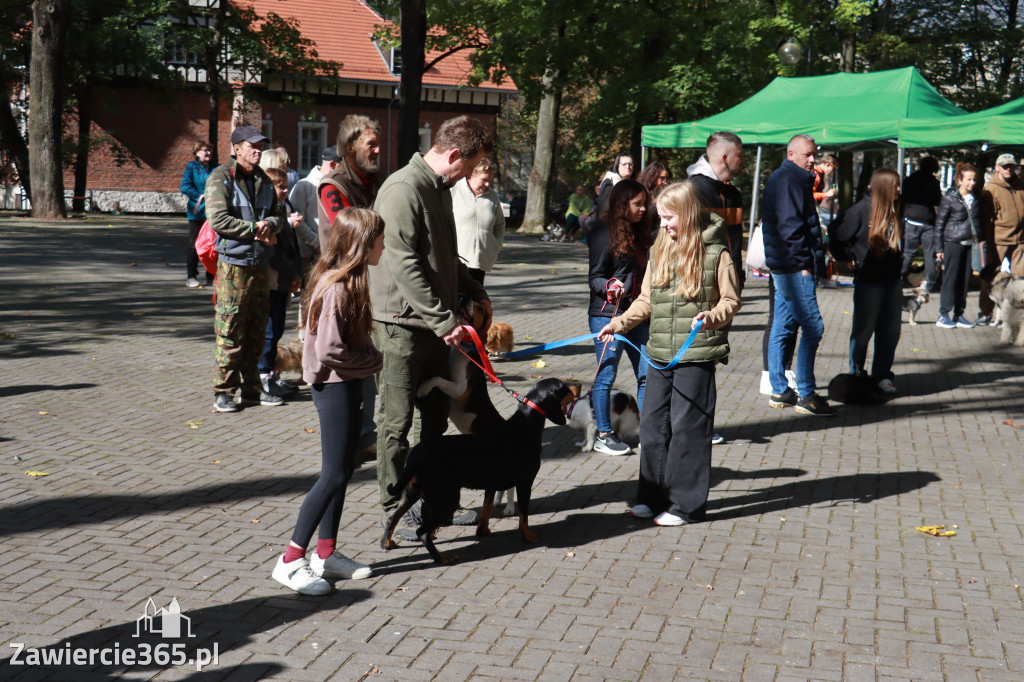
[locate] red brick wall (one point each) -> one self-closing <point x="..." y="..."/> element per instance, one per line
<point x="160" y="134"/>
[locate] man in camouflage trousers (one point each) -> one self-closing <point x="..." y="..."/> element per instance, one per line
<point x="242" y="208"/>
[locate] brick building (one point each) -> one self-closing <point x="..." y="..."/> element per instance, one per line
<point x="160" y="133"/>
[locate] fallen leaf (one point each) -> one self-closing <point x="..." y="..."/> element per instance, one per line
<point x="37" y="474"/>
<point x="6" y="336"/>
<point x="539" y="364"/>
<point x="1009" y="422"/>
<point x="43" y="412"/>
<point x="846" y="312"/>
<point x="255" y="520"/>
<point x="216" y="461"/>
<point x="194" y="424"/>
<point x="528" y="338"/>
<point x="570" y="554"/>
<point x="554" y="272"/>
<point x="133" y="265"/>
<point x="535" y="376"/>
<point x="309" y="430"/>
<point x="138" y="314"/>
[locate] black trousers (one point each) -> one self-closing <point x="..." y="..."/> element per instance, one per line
<point x="191" y="257"/>
<point x="339" y="406"/>
<point x="923" y="235"/>
<point x="675" y="434"/>
<point x="736" y="251"/>
<point x="956" y="280"/>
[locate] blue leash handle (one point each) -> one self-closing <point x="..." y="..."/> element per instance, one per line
<point x="566" y="342"/>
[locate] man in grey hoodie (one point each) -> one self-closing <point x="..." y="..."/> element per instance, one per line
<point x="711" y="175"/>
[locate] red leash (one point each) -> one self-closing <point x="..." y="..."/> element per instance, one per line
<point x="489" y="370"/>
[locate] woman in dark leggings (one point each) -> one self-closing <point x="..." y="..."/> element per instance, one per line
<point x="337" y="357"/>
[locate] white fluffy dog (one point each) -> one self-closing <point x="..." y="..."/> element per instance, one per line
<point x="1008" y="294"/>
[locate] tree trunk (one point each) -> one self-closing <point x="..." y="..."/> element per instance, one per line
<point x="213" y="81"/>
<point x="12" y="141"/>
<point x="414" y="37"/>
<point x="543" y="156"/>
<point x="84" y="141"/>
<point x="49" y="20"/>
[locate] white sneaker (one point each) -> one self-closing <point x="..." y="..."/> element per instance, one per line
<point x="766" y="383"/>
<point x="887" y="386"/>
<point x="641" y="511"/>
<point x="192" y="283"/>
<point x="339" y="566"/>
<point x="298" y="576"/>
<point x="666" y="519"/>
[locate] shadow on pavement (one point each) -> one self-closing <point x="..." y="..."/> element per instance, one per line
<point x="228" y="626"/>
<point x="70" y="511"/>
<point x="578" y="529"/>
<point x="10" y="391"/>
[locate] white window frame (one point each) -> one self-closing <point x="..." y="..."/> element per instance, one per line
<point x="425" y="139"/>
<point x="314" y="155"/>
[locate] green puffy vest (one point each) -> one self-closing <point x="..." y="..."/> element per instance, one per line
<point x="671" y="315"/>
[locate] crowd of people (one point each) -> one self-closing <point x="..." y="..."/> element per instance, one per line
<point x="382" y="263"/>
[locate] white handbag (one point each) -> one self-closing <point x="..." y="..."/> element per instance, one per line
<point x="755" y="250"/>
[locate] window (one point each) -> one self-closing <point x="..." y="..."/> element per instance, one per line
<point x="312" y="142"/>
<point x="425" y="139"/>
<point x="268" y="129"/>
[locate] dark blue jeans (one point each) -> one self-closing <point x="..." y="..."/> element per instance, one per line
<point x="605" y="378"/>
<point x="275" y="330"/>
<point x="796" y="307"/>
<point x="878" y="310"/>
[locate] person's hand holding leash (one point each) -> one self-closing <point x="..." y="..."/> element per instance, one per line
<point x="606" y="334"/>
<point x="455" y="336"/>
<point x="699" y="317"/>
<point x="614" y="290"/>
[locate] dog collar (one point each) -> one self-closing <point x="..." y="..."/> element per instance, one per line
<point x="530" y="403"/>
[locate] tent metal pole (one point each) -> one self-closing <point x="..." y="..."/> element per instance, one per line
<point x="755" y="194"/>
<point x="900" y="163"/>
<point x="643" y="158"/>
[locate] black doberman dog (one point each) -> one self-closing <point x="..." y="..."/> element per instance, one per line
<point x="437" y="469"/>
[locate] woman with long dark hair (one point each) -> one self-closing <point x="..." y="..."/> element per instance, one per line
<point x="871" y="234"/>
<point x="654" y="177"/>
<point x="619" y="242"/>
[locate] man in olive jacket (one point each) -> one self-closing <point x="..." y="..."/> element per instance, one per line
<point x="242" y="209"/>
<point x="1002" y="227"/>
<point x="415" y="290"/>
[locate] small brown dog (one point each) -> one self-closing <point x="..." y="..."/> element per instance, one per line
<point x="499" y="339"/>
<point x="289" y="357"/>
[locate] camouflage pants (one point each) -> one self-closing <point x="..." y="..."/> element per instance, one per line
<point x="240" y="324"/>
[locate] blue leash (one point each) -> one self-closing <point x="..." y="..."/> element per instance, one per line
<point x="586" y="337"/>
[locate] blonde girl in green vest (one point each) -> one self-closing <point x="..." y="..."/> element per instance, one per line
<point x="690" y="277"/>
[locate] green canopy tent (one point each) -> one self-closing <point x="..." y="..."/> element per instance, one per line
<point x="1001" y="125"/>
<point x="840" y="109"/>
<point x="837" y="110"/>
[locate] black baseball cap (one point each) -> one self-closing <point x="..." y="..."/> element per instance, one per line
<point x="250" y="134"/>
<point x="331" y="154"/>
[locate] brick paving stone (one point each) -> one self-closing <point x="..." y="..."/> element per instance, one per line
<point x="809" y="566"/>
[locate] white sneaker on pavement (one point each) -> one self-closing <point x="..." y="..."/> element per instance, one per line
<point x="666" y="519"/>
<point x="339" y="566"/>
<point x="297" y="575"/>
<point x="641" y="511"/>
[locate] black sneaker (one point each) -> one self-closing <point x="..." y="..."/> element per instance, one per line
<point x="784" y="399"/>
<point x="223" y="402"/>
<point x="611" y="444"/>
<point x="815" y="405"/>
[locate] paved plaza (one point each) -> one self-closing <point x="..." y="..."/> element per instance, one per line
<point x="808" y="568"/>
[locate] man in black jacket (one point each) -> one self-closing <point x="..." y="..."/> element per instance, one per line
<point x="722" y="161"/>
<point x="921" y="196"/>
<point x="795" y="254"/>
